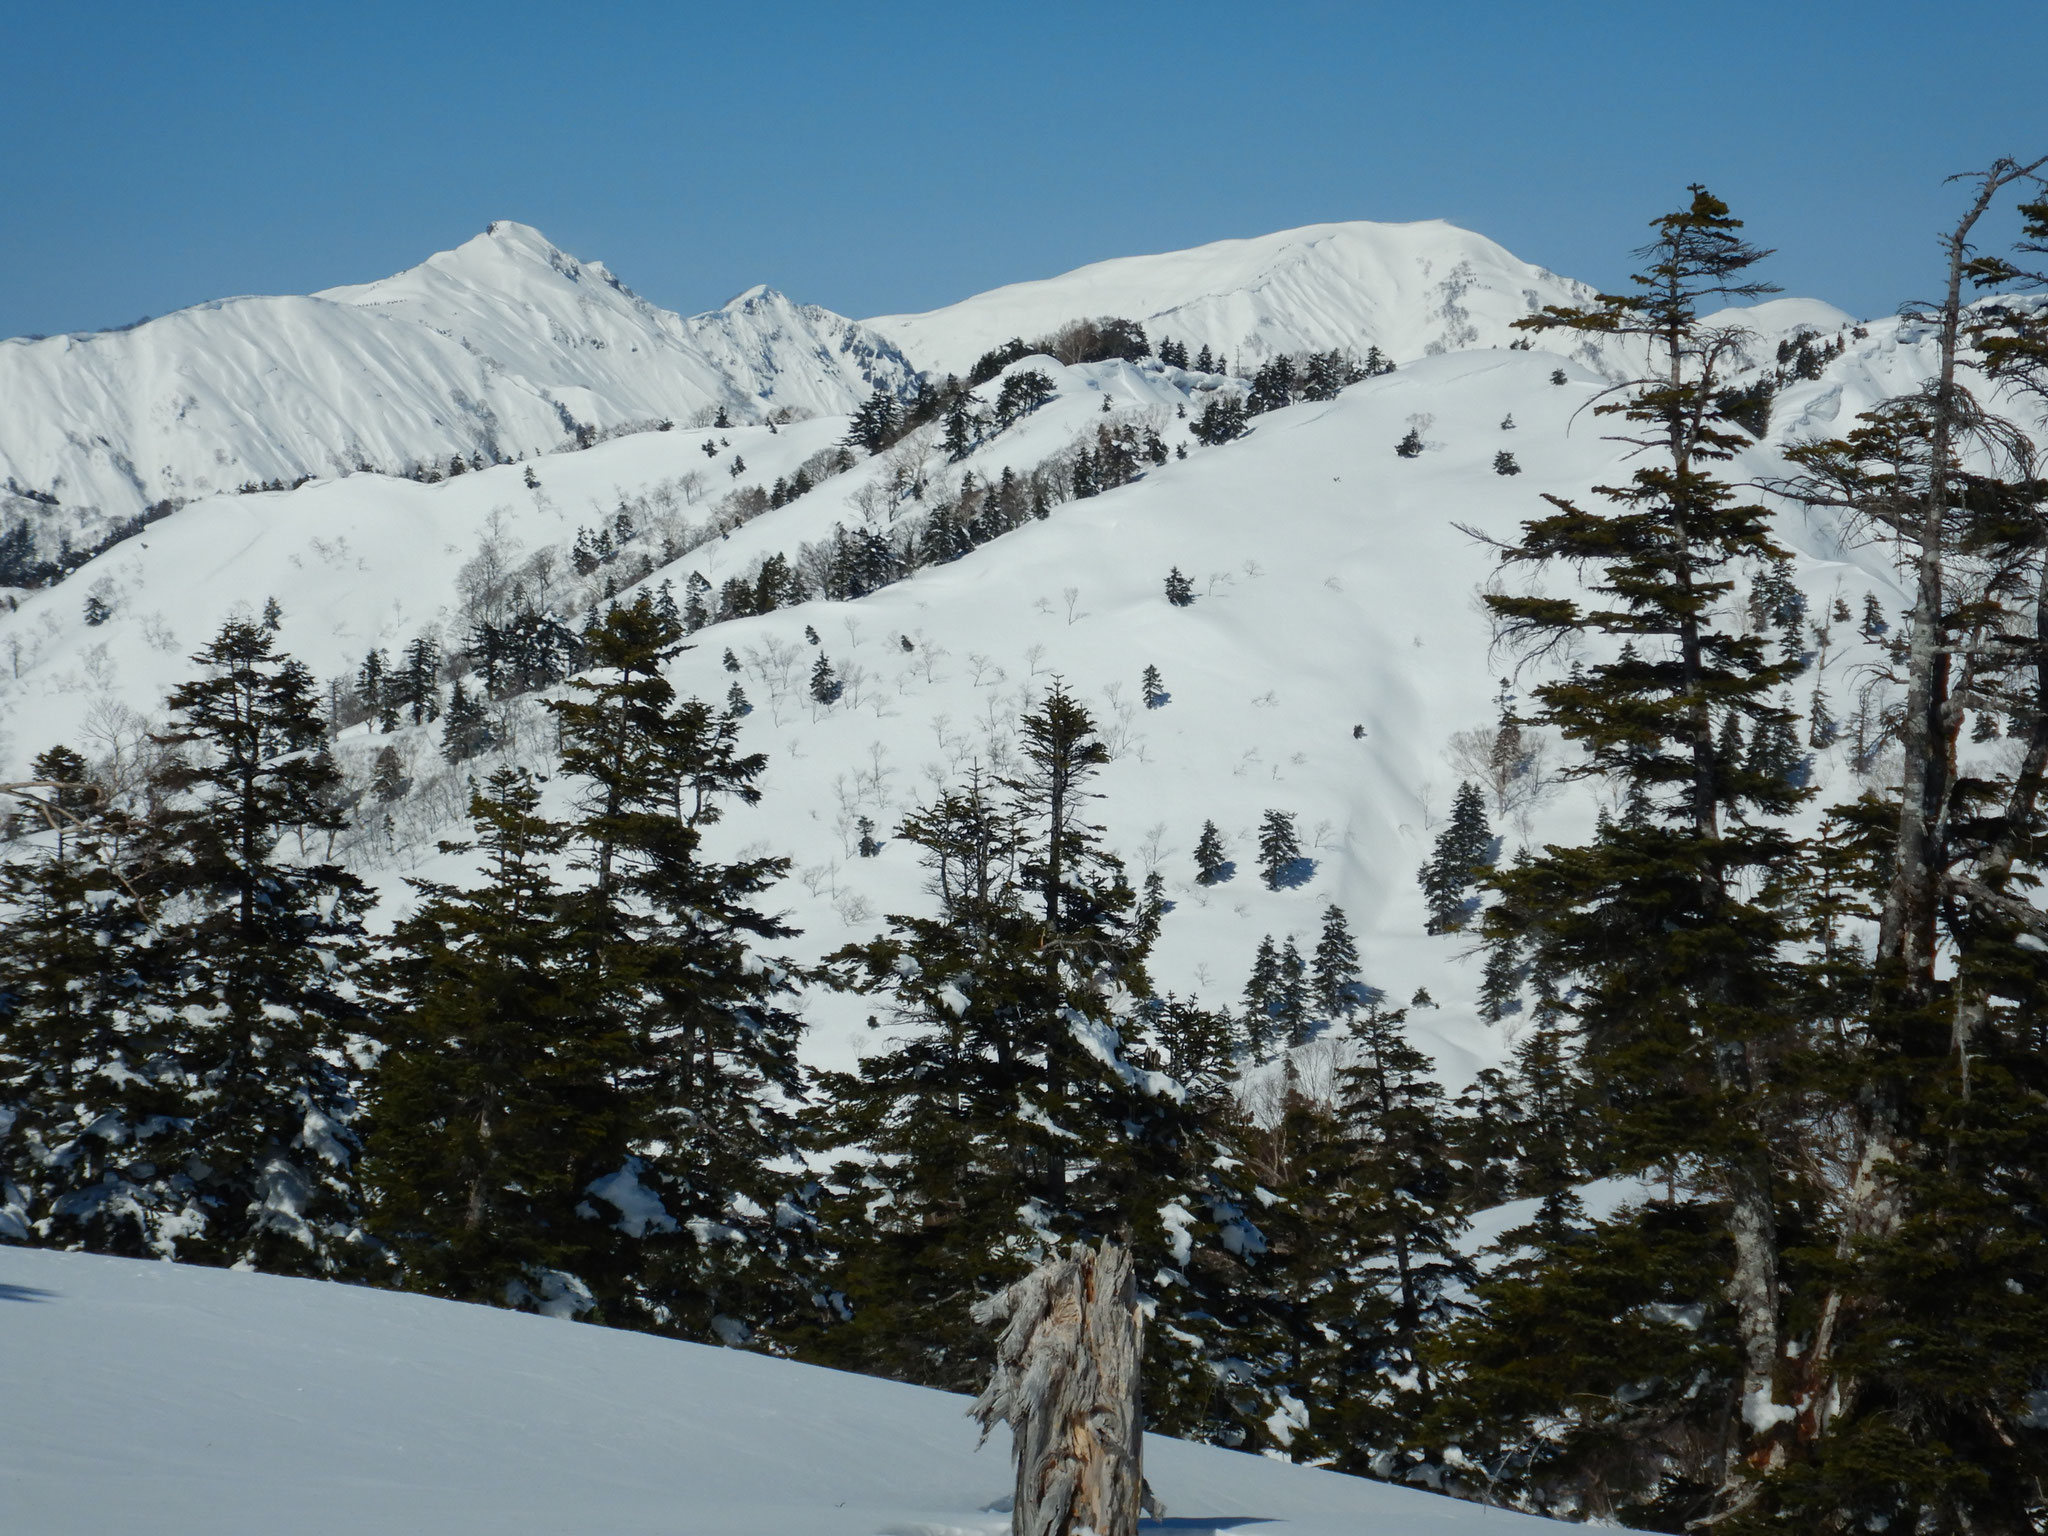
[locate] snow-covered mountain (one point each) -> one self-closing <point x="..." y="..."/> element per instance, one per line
<point x="163" y="1398"/>
<point x="1412" y="290"/>
<point x="1334" y="665"/>
<point x="503" y="347"/>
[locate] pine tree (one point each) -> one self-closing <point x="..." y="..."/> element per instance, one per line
<point x="1279" y="849"/>
<point x="1504" y="464"/>
<point x="496" y="1101"/>
<point x="958" y="439"/>
<point x="388" y="779"/>
<point x="1212" y="866"/>
<point x="1663" y="942"/>
<point x="1397" y="1266"/>
<point x="1179" y="590"/>
<point x="1411" y="445"/>
<point x="467" y="730"/>
<point x="1005" y="1116"/>
<point x="371" y="681"/>
<point x="93" y="1086"/>
<point x="271" y="972"/>
<point x="1465" y="850"/>
<point x="1261" y="998"/>
<point x="825" y="684"/>
<point x="1337" y="988"/>
<point x="1153" y="688"/>
<point x="1289" y="1006"/>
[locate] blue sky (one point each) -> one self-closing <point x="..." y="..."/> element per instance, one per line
<point x="883" y="157"/>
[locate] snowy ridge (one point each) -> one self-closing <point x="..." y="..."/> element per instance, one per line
<point x="502" y="347"/>
<point x="187" y="1401"/>
<point x="1410" y="289"/>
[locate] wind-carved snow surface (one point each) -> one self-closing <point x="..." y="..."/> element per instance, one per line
<point x="504" y="346"/>
<point x="1412" y="290"/>
<point x="193" y="1402"/>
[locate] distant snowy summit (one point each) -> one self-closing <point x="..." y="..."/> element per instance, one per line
<point x="509" y="347"/>
<point x="502" y="347"/>
<point x="1412" y="290"/>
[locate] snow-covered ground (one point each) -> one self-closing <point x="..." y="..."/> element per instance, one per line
<point x="192" y="1402"/>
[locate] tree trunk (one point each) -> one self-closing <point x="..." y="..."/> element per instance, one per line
<point x="1066" y="1382"/>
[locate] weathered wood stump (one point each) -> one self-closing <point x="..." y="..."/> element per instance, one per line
<point x="1066" y="1382"/>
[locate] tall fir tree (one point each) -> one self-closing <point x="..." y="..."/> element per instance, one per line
<point x="1664" y="942"/>
<point x="271" y="973"/>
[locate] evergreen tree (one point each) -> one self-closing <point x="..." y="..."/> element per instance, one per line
<point x="1211" y="863"/>
<point x="1465" y="850"/>
<point x="467" y="731"/>
<point x="497" y="1100"/>
<point x="1410" y="445"/>
<point x="1279" y="849"/>
<point x="958" y="438"/>
<point x="419" y="680"/>
<point x="1663" y="943"/>
<point x="271" y="975"/>
<point x="1504" y="464"/>
<point x="1179" y="590"/>
<point x="388" y="779"/>
<point x="1289" y="1007"/>
<point x="825" y="684"/>
<point x="93" y="1086"/>
<point x="1338" y="990"/>
<point x="371" y="681"/>
<point x="1394" y="1261"/>
<point x="1261" y="998"/>
<point x="1153" y="687"/>
<point x="1006" y="1115"/>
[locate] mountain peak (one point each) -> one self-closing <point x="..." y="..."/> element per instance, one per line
<point x="1409" y="289"/>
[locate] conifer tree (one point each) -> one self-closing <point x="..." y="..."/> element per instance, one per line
<point x="1179" y="590"/>
<point x="1337" y="987"/>
<point x="467" y="731"/>
<point x="1289" y="1007"/>
<point x="1394" y="1259"/>
<point x="1663" y="942"/>
<point x="1261" y="998"/>
<point x="1007" y="1116"/>
<point x="1279" y="848"/>
<point x="1465" y="850"/>
<point x="497" y="1100"/>
<point x="93" y="1089"/>
<point x="668" y="939"/>
<point x="1153" y="688"/>
<point x="271" y="974"/>
<point x="825" y="684"/>
<point x="1211" y="863"/>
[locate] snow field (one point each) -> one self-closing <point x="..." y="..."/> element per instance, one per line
<point x="195" y="1402"/>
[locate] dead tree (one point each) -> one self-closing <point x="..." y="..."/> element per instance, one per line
<point x="1066" y="1382"/>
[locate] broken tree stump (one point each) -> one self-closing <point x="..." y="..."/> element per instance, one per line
<point x="1066" y="1382"/>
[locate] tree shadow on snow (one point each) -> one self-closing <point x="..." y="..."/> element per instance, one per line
<point x="24" y="1293"/>
<point x="1295" y="872"/>
<point x="1195" y="1525"/>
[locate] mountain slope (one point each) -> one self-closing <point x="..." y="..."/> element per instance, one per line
<point x="503" y="347"/>
<point x="1336" y="590"/>
<point x="185" y="1401"/>
<point x="1409" y="289"/>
